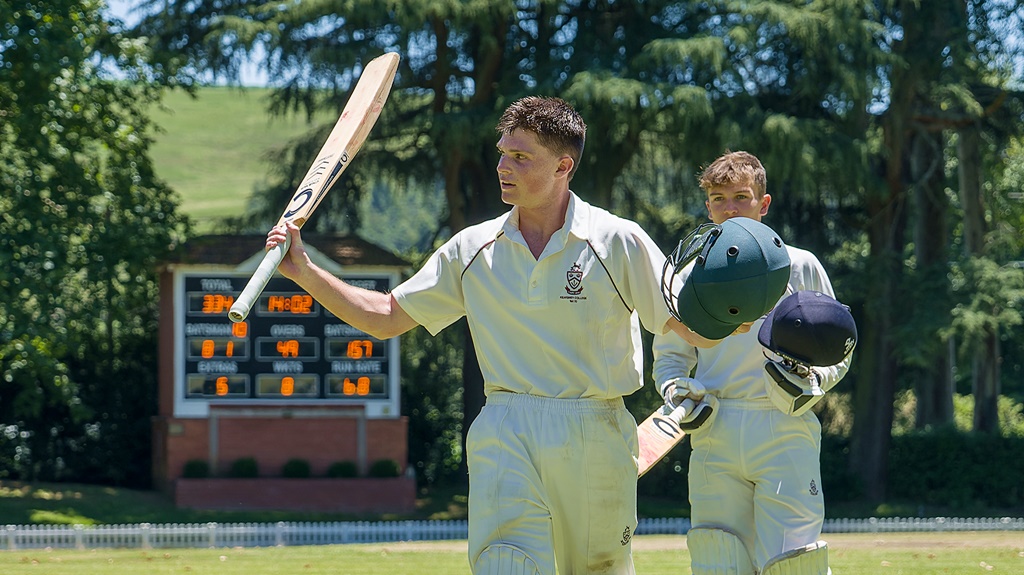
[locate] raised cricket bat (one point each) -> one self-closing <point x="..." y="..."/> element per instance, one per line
<point x="360" y="114"/>
<point x="659" y="433"/>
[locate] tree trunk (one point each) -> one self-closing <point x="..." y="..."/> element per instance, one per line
<point x="934" y="380"/>
<point x="985" y="384"/>
<point x="875" y="390"/>
<point x="970" y="176"/>
<point x="875" y="394"/>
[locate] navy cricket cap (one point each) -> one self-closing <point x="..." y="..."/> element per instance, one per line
<point x="740" y="273"/>
<point x="811" y="328"/>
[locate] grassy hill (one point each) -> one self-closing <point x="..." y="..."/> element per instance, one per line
<point x="212" y="149"/>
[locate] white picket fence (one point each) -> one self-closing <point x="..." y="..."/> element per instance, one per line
<point x="922" y="524"/>
<point x="172" y="535"/>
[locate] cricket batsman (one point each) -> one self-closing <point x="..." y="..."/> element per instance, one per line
<point x="754" y="477"/>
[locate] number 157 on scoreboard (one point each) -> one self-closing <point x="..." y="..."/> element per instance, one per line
<point x="338" y="348"/>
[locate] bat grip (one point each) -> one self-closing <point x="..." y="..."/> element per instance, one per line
<point x="245" y="300"/>
<point x="684" y="409"/>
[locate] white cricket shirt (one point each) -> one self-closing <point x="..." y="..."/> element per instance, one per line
<point x="562" y="325"/>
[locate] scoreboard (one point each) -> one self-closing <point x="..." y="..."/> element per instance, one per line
<point x="289" y="350"/>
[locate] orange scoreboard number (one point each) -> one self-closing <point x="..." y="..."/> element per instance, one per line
<point x="291" y="348"/>
<point x="364" y="349"/>
<point x="359" y="348"/>
<point x="294" y="304"/>
<point x="288" y="348"/>
<point x="217" y="303"/>
<point x="361" y="386"/>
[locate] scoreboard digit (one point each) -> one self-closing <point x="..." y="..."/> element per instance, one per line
<point x="289" y="349"/>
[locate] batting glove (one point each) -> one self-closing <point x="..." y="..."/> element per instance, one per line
<point x="701" y="415"/>
<point x="793" y="388"/>
<point x="677" y="389"/>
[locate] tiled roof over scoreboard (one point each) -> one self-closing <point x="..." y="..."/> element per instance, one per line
<point x="347" y="250"/>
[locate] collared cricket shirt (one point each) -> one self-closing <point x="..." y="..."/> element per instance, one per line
<point x="563" y="325"/>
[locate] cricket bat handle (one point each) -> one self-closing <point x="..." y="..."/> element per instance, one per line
<point x="680" y="412"/>
<point x="245" y="300"/>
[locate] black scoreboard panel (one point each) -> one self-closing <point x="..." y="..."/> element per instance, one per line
<point x="290" y="348"/>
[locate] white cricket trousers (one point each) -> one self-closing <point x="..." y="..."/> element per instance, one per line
<point x="553" y="482"/>
<point x="756" y="471"/>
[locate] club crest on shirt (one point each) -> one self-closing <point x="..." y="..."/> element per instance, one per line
<point x="574" y="280"/>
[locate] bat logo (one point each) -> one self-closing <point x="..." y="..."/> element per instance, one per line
<point x="304" y="195"/>
<point x="666" y="427"/>
<point x="302" y="198"/>
<point x="330" y="179"/>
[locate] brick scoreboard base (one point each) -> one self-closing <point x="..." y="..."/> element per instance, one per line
<point x="357" y="495"/>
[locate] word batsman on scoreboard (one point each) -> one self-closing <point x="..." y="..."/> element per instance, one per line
<point x="288" y="349"/>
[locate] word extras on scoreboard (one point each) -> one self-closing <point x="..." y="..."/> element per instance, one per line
<point x="289" y="348"/>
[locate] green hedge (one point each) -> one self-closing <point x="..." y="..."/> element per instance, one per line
<point x="244" y="467"/>
<point x="343" y="469"/>
<point x="384" y="468"/>
<point x="296" y="469"/>
<point x="957" y="469"/>
<point x="945" y="468"/>
<point x="196" y="469"/>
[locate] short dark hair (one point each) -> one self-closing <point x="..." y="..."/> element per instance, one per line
<point x="558" y="126"/>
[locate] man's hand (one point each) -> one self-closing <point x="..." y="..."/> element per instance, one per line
<point x="677" y="389"/>
<point x="295" y="257"/>
<point x="701" y="415"/>
<point x="793" y="388"/>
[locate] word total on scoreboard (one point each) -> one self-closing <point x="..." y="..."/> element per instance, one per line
<point x="289" y="348"/>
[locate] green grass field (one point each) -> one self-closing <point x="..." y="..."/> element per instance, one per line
<point x="860" y="554"/>
<point x="212" y="149"/>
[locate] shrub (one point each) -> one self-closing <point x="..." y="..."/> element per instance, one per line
<point x="196" y="469"/>
<point x="296" y="469"/>
<point x="244" y="467"/>
<point x="947" y="468"/>
<point x="385" y="468"/>
<point x="343" y="469"/>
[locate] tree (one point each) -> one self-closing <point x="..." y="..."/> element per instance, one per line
<point x="85" y="224"/>
<point x="946" y="75"/>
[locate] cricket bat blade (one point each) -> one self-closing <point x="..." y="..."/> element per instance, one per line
<point x="659" y="433"/>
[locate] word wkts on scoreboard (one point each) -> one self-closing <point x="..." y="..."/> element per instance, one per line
<point x="289" y="348"/>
